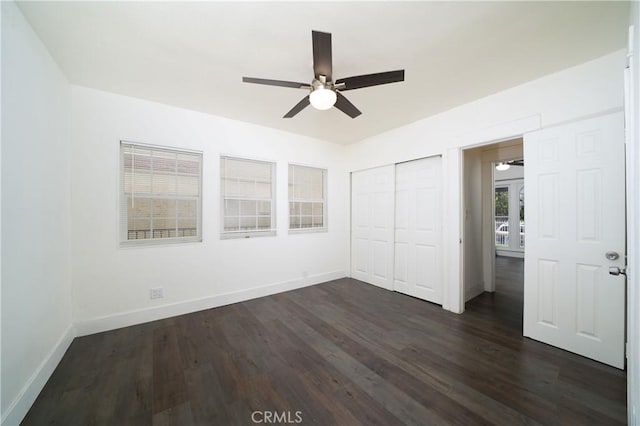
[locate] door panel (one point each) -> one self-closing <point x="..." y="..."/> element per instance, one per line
<point x="418" y="239"/>
<point x="575" y="213"/>
<point x="372" y="226"/>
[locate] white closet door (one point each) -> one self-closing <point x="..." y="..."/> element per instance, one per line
<point x="575" y="213"/>
<point x="372" y="209"/>
<point x="418" y="229"/>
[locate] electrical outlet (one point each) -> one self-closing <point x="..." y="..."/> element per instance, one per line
<point x="156" y="293"/>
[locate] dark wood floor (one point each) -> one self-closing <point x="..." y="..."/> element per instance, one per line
<point x="342" y="352"/>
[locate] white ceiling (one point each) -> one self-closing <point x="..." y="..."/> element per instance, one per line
<point x="193" y="54"/>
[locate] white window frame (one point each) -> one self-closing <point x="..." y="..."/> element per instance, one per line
<point x="123" y="215"/>
<point x="272" y="231"/>
<point x="325" y="216"/>
<point x="516" y="234"/>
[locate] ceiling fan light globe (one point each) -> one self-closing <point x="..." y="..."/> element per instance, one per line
<point x="501" y="167"/>
<point x="322" y="98"/>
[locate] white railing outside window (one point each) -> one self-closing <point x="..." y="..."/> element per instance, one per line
<point x="502" y="231"/>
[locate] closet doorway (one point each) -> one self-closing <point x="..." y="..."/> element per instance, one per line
<point x="396" y="227"/>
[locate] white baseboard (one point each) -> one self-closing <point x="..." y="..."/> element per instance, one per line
<point x="20" y="405"/>
<point x="125" y="319"/>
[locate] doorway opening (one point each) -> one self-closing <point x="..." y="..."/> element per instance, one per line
<point x="574" y="289"/>
<point x="509" y="223"/>
<point x="494" y="227"/>
<point x="509" y="242"/>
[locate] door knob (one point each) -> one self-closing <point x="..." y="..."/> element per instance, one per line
<point x="612" y="255"/>
<point x="614" y="270"/>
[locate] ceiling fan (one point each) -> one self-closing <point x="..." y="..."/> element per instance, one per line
<point x="323" y="91"/>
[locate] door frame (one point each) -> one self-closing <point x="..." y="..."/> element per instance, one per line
<point x="454" y="231"/>
<point x="632" y="139"/>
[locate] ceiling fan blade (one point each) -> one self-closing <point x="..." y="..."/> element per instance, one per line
<point x="360" y="81"/>
<point x="281" y="83"/>
<point x="347" y="107"/>
<point x="322" y="62"/>
<point x="299" y="107"/>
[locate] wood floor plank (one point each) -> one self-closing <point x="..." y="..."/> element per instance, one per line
<point x="338" y="353"/>
<point x="174" y="416"/>
<point x="342" y="396"/>
<point x="409" y="404"/>
<point x="448" y="409"/>
<point x="491" y="410"/>
<point x="169" y="388"/>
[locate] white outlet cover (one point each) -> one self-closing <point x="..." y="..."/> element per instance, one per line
<point x="156" y="293"/>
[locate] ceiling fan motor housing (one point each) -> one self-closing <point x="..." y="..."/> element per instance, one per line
<point x="318" y="84"/>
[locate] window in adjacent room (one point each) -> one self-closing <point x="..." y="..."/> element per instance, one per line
<point x="307" y="198"/>
<point x="161" y="195"/>
<point x="247" y="189"/>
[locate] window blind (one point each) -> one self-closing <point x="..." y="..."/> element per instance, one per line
<point x="247" y="196"/>
<point x="161" y="194"/>
<point x="307" y="197"/>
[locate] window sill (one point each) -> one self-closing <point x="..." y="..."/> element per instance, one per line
<point x="307" y="230"/>
<point x="245" y="234"/>
<point x="158" y="242"/>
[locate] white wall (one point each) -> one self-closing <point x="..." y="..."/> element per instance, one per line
<point x="111" y="284"/>
<point x="472" y="193"/>
<point x="585" y="90"/>
<point x="576" y="92"/>
<point x="513" y="172"/>
<point x="36" y="275"/>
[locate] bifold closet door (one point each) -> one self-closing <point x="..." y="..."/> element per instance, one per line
<point x="372" y="209"/>
<point x="418" y="229"/>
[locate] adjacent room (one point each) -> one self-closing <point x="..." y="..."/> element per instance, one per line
<point x="314" y="213"/>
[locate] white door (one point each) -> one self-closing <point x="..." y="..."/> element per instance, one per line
<point x="575" y="214"/>
<point x="372" y="210"/>
<point x="418" y="229"/>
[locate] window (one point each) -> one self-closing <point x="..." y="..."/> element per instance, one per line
<point x="502" y="216"/>
<point x="521" y="214"/>
<point x="248" y="197"/>
<point x="509" y="216"/>
<point x="161" y="195"/>
<point x="307" y="198"/>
